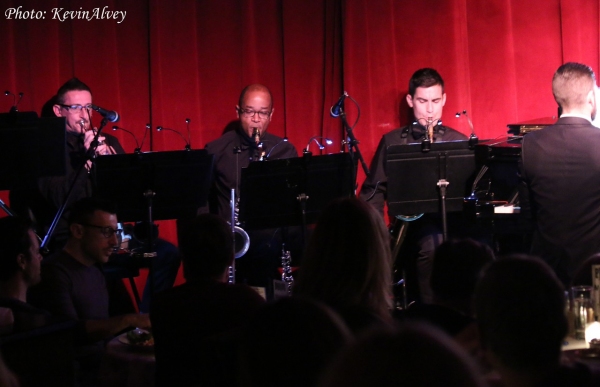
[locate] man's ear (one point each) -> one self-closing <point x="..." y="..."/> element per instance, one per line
<point x="271" y="115"/>
<point x="21" y="261"/>
<point x="409" y="100"/>
<point x="76" y="230"/>
<point x="237" y="111"/>
<point x="443" y="99"/>
<point x="56" y="109"/>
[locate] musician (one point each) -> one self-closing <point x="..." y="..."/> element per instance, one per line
<point x="233" y="151"/>
<point x="45" y="196"/>
<point x="560" y="170"/>
<point x="426" y="96"/>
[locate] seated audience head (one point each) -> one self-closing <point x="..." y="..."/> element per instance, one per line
<point x="19" y="252"/>
<point x="574" y="88"/>
<point x="415" y="355"/>
<point x="290" y="342"/>
<point x="520" y="309"/>
<point x="456" y="268"/>
<point x="348" y="259"/>
<point x="206" y="244"/>
<point x="93" y="230"/>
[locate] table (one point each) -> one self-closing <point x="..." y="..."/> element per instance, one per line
<point x="127" y="366"/>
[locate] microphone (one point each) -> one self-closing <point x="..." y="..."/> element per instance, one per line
<point x="473" y="140"/>
<point x="148" y="126"/>
<point x="137" y="149"/>
<point x="110" y="115"/>
<point x="187" y="122"/>
<point x="13" y="108"/>
<point x="187" y="144"/>
<point x="315" y="139"/>
<point x="335" y="109"/>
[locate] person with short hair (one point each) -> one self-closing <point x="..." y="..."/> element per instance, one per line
<point x="250" y="141"/>
<point x="426" y="97"/>
<point x="73" y="284"/>
<point x="20" y="262"/>
<point x="45" y="196"/>
<point x="192" y="323"/>
<point x="520" y="308"/>
<point x="559" y="170"/>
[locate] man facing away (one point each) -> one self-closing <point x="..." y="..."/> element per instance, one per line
<point x="560" y="171"/>
<point x="427" y="97"/>
<point x="191" y="321"/>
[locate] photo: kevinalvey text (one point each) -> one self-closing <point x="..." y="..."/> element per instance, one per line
<point x="61" y="14"/>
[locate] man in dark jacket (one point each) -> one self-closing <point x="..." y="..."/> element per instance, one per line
<point x="560" y="171"/>
<point x="235" y="150"/>
<point x="426" y="97"/>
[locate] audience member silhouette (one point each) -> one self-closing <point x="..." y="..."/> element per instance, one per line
<point x="194" y="324"/>
<point x="289" y="343"/>
<point x="457" y="265"/>
<point x="347" y="264"/>
<point x="20" y="263"/>
<point x="520" y="307"/>
<point x="414" y="355"/>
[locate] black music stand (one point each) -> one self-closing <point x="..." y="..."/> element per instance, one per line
<point x="154" y="186"/>
<point x="30" y="146"/>
<point x="429" y="182"/>
<point x="179" y="181"/>
<point x="292" y="192"/>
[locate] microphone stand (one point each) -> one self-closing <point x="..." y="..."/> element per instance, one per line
<point x="353" y="146"/>
<point x="89" y="155"/>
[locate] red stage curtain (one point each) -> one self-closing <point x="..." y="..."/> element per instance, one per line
<point x="168" y="61"/>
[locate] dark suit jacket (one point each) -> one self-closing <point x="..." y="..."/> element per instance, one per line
<point x="560" y="172"/>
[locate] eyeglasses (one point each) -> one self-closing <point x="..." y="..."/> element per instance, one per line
<point x="250" y="113"/>
<point x="77" y="107"/>
<point x="107" y="231"/>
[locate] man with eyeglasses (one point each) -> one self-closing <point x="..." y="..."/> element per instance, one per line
<point x="234" y="150"/>
<point x="73" y="285"/>
<point x="46" y="195"/>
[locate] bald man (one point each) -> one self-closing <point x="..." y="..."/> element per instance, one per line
<point x="560" y="171"/>
<point x="233" y="151"/>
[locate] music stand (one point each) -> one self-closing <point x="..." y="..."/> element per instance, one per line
<point x="292" y="192"/>
<point x="30" y="146"/>
<point x="180" y="181"/>
<point x="429" y="182"/>
<point x="154" y="186"/>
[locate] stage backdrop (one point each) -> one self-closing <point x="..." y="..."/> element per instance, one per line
<point x="165" y="61"/>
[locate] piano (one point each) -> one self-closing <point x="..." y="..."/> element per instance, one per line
<point x="494" y="200"/>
